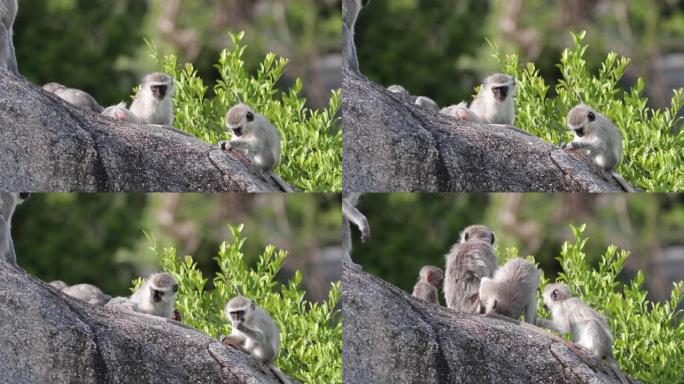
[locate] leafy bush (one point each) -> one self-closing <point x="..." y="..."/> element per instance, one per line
<point x="310" y="333"/>
<point x="648" y="336"/>
<point x="311" y="144"/>
<point x="652" y="143"/>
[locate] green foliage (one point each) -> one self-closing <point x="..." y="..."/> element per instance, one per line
<point x="311" y="333"/>
<point x="426" y="46"/>
<point x="311" y="144"/>
<point x="652" y="144"/>
<point x="648" y="343"/>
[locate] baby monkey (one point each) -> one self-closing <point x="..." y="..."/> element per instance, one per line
<point x="257" y="139"/>
<point x="512" y="291"/>
<point x="595" y="134"/>
<point x="423" y="101"/>
<point x="254" y="331"/>
<point x="494" y="104"/>
<point x="428" y="285"/>
<point x="589" y="328"/>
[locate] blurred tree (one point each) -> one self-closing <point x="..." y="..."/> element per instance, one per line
<point x="412" y="230"/>
<point x="84" y="44"/>
<point x="100" y="238"/>
<point x="422" y="45"/>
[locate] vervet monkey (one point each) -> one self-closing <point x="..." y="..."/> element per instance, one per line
<point x="350" y="11"/>
<point x="599" y="138"/>
<point x="350" y="214"/>
<point x="88" y="293"/>
<point x="8" y="202"/>
<point x="589" y="328"/>
<point x="423" y="101"/>
<point x="256" y="138"/>
<point x="595" y="134"/>
<point x="120" y="112"/>
<point x="494" y="104"/>
<point x="157" y="295"/>
<point x="154" y="102"/>
<point x="428" y="285"/>
<point x="8" y="58"/>
<point x="254" y="331"/>
<point x="73" y="96"/>
<point x="512" y="291"/>
<point x="466" y="264"/>
<point x="59" y="284"/>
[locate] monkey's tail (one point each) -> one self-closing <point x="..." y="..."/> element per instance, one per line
<point x="617" y="371"/>
<point x="281" y="183"/>
<point x="280" y="375"/>
<point x="623" y="183"/>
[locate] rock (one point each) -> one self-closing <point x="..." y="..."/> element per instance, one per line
<point x="49" y="337"/>
<point x="49" y="145"/>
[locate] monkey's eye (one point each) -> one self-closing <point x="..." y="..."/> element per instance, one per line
<point x="466" y="236"/>
<point x="591" y="116"/>
<point x="494" y="305"/>
<point x="250" y="116"/>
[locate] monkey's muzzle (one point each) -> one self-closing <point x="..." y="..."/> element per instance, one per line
<point x="500" y="93"/>
<point x="156" y="296"/>
<point x="237" y="131"/>
<point x="579" y="131"/>
<point x="237" y="315"/>
<point x="158" y="91"/>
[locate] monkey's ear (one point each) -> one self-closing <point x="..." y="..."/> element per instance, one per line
<point x="465" y="236"/>
<point x="175" y="288"/>
<point x="429" y="277"/>
<point x="493" y="238"/>
<point x="253" y="305"/>
<point x="591" y="116"/>
<point x="554" y="295"/>
<point x="364" y="2"/>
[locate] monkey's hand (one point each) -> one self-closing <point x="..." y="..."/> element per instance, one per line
<point x="176" y="315"/>
<point x="225" y="145"/>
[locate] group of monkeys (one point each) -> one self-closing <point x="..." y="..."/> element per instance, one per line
<point x="253" y="330"/>
<point x="254" y="139"/>
<point x="594" y="134"/>
<point x="473" y="283"/>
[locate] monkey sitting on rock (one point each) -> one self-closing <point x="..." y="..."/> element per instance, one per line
<point x="512" y="291"/>
<point x="428" y="285"/>
<point x="494" y="104"/>
<point x="255" y="138"/>
<point x="74" y="96"/>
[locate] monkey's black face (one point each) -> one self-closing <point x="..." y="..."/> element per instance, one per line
<point x="500" y="93"/>
<point x="24" y="195"/>
<point x="159" y="91"/>
<point x="237" y="316"/>
<point x="237" y="131"/>
<point x="156" y="295"/>
<point x="579" y="131"/>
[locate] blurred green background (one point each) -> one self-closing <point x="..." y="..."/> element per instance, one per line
<point x="437" y="48"/>
<point x="102" y="238"/>
<point x="99" y="45"/>
<point x="409" y="230"/>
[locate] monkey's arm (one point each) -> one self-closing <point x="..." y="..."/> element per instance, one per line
<point x="258" y="335"/>
<point x="355" y="216"/>
<point x="548" y="324"/>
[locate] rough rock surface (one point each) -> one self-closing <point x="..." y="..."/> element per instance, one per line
<point x="48" y="337"/>
<point x="391" y="337"/>
<point x="49" y="145"/>
<point x="390" y="145"/>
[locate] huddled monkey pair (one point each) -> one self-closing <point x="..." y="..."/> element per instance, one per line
<point x="473" y="284"/>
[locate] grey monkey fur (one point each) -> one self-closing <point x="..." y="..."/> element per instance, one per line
<point x="466" y="264"/>
<point x="512" y="291"/>
<point x="428" y="285"/>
